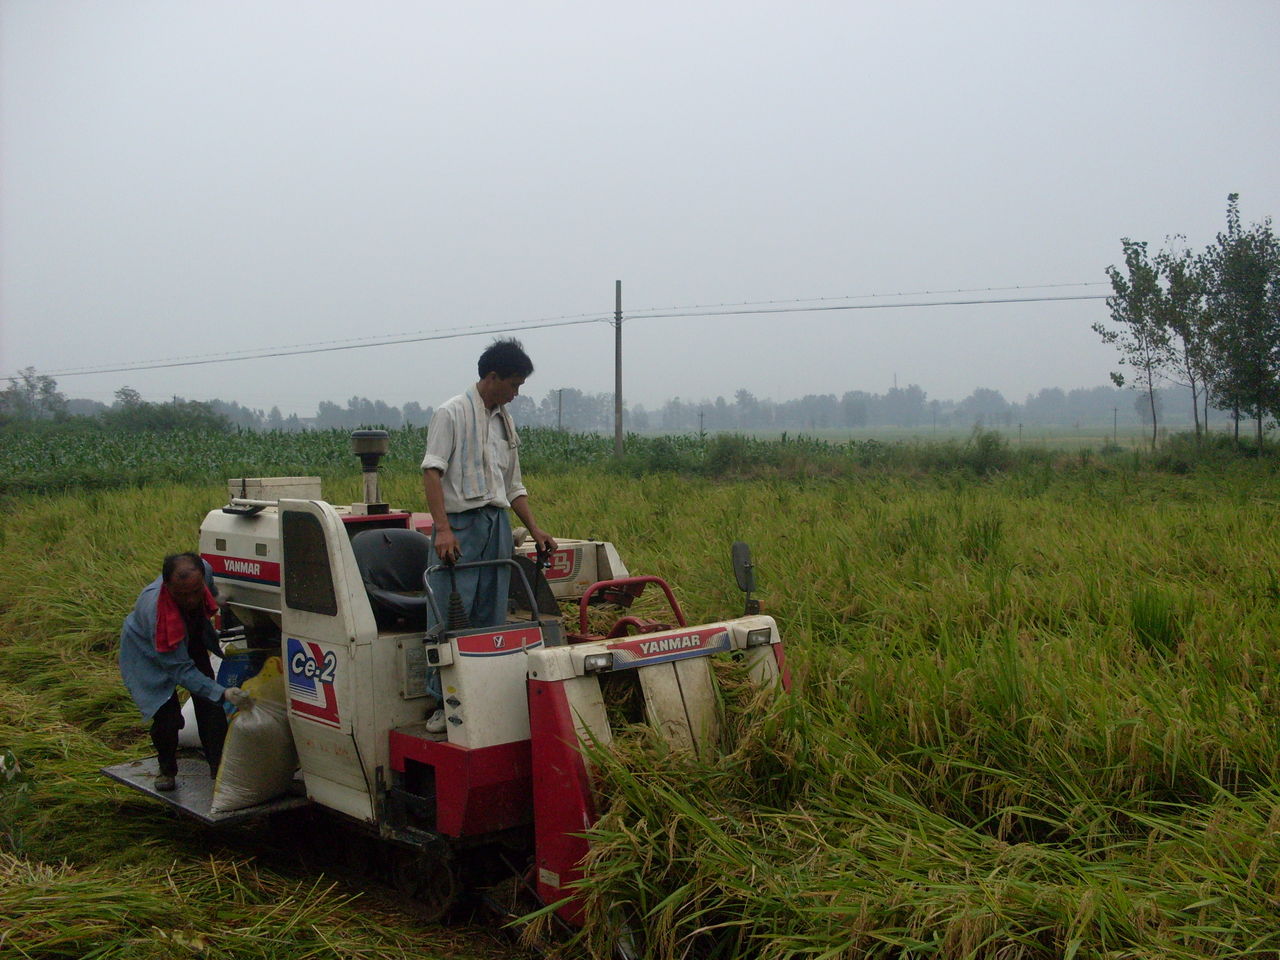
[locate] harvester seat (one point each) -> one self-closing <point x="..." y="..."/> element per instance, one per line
<point x="391" y="563"/>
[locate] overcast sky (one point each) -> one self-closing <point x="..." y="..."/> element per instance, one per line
<point x="195" y="178"/>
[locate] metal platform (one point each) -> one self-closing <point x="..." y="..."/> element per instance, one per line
<point x="194" y="793"/>
<point x="419" y="730"/>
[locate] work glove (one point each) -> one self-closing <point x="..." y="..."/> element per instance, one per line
<point x="237" y="698"/>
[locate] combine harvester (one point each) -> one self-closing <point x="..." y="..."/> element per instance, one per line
<point x="338" y="593"/>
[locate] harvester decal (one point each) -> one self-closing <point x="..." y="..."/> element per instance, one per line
<point x="562" y="565"/>
<point x="240" y="568"/>
<point x="500" y="643"/>
<point x="311" y="682"/>
<point x="674" y="646"/>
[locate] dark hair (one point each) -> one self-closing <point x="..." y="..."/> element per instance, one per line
<point x="506" y="358"/>
<point x="181" y="561"/>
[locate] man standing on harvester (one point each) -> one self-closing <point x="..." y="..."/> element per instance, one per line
<point x="165" y="643"/>
<point x="471" y="476"/>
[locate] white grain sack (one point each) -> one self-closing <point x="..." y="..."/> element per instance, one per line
<point x="258" y="759"/>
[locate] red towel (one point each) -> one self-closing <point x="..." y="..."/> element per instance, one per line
<point x="171" y="629"/>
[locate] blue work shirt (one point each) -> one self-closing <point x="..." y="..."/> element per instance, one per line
<point x="150" y="675"/>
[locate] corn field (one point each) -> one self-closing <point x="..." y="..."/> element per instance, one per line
<point x="51" y="460"/>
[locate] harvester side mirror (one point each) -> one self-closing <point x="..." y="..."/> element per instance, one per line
<point x="743" y="568"/>
<point x="745" y="572"/>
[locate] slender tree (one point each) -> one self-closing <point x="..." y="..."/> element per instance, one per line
<point x="1240" y="271"/>
<point x="1140" y="334"/>
<point x="1182" y="314"/>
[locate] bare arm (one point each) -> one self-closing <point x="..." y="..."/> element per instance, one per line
<point x="522" y="510"/>
<point x="446" y="543"/>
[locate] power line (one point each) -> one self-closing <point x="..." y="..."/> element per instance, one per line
<point x="645" y="312"/>
<point x="374" y="340"/>
<point x="872" y="296"/>
<point x="864" y="306"/>
<point x="307" y="349"/>
<point x="749" y="307"/>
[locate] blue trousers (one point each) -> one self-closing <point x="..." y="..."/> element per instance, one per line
<point x="483" y="534"/>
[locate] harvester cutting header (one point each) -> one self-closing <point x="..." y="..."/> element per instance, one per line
<point x="339" y="601"/>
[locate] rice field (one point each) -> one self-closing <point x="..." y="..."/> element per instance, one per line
<point x="1035" y="716"/>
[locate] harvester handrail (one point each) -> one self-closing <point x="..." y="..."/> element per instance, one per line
<point x="431" y="596"/>
<point x="625" y="582"/>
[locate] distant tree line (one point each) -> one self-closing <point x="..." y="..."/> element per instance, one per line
<point x="33" y="397"/>
<point x="907" y="407"/>
<point x="1208" y="321"/>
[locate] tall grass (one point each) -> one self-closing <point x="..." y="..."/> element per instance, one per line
<point x="1035" y="715"/>
<point x="226" y="907"/>
<point x="88" y="868"/>
<point x="1012" y="735"/>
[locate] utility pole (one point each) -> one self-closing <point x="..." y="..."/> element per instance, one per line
<point x="617" y="370"/>
<point x="1115" y="426"/>
<point x="560" y="409"/>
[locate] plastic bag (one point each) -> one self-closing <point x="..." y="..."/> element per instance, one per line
<point x="188" y="733"/>
<point x="258" y="758"/>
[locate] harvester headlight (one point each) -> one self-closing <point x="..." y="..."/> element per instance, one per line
<point x="759" y="637"/>
<point x="597" y="662"/>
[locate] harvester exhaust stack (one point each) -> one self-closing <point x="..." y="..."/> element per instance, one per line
<point x="371" y="446"/>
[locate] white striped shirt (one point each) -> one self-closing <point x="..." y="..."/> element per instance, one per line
<point x="477" y="452"/>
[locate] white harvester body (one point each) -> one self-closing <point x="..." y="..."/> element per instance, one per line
<point x="520" y="699"/>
